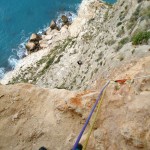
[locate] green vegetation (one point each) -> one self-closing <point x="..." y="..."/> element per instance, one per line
<point x="119" y="23"/>
<point x="122" y="42"/>
<point x="121" y="58"/>
<point x="145" y="13"/>
<point x="87" y="37"/>
<point x="141" y="37"/>
<point x="100" y="56"/>
<point x="139" y="14"/>
<point x="52" y="58"/>
<point x="56" y="53"/>
<point x="110" y="42"/>
<point x="58" y="59"/>
<point x="122" y="3"/>
<point x="133" y="51"/>
<point x="122" y="15"/>
<point x="121" y="32"/>
<point x="95" y="71"/>
<point x="134" y="18"/>
<point x="106" y="15"/>
<point x="61" y="86"/>
<point x="126" y="7"/>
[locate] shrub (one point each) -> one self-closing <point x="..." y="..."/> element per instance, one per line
<point x="121" y="58"/>
<point x="124" y="41"/>
<point x="145" y="13"/>
<point x="121" y="43"/>
<point x="126" y="7"/>
<point x="106" y="15"/>
<point x="110" y="42"/>
<point x="122" y="15"/>
<point x="119" y="23"/>
<point x="139" y="14"/>
<point x="133" y="20"/>
<point x="121" y="32"/>
<point x="141" y="37"/>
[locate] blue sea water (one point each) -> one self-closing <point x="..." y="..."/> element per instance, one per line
<point x="20" y="18"/>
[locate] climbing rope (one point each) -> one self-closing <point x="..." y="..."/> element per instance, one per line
<point x="90" y="115"/>
<point x="94" y="120"/>
<point x="98" y="103"/>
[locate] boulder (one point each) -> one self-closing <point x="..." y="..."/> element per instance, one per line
<point x="30" y="46"/>
<point x="48" y="31"/>
<point x="35" y="37"/>
<point x="64" y="19"/>
<point x="53" y="25"/>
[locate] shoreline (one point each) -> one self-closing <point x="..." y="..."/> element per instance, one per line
<point x="92" y="39"/>
<point x="20" y="52"/>
<point x="34" y="57"/>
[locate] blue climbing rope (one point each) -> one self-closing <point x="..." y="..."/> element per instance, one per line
<point x="90" y="115"/>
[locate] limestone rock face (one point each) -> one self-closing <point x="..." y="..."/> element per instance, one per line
<point x="33" y="114"/>
<point x="73" y="64"/>
<point x="100" y="37"/>
<point x="87" y="12"/>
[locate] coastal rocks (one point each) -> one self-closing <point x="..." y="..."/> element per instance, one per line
<point x="48" y="31"/>
<point x="35" y="37"/>
<point x="53" y="34"/>
<point x="30" y="46"/>
<point x="53" y="25"/>
<point x="65" y="20"/>
<point x="33" y="44"/>
<point x="43" y="44"/>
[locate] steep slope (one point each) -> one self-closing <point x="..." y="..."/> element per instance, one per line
<point x="32" y="117"/>
<point x="100" y="37"/>
<point x="103" y="43"/>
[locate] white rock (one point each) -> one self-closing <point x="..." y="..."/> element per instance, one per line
<point x="48" y="37"/>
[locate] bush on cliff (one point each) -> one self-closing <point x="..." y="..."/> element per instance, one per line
<point x="141" y="37"/>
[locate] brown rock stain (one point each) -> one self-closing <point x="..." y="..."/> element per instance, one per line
<point x="77" y="100"/>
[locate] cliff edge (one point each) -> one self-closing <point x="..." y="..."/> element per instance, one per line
<point x="46" y="99"/>
<point x="32" y="116"/>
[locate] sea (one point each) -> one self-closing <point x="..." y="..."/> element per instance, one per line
<point x="20" y="18"/>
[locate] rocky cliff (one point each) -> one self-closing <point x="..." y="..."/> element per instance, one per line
<point x="101" y="37"/>
<point x="105" y="42"/>
<point x="32" y="116"/>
